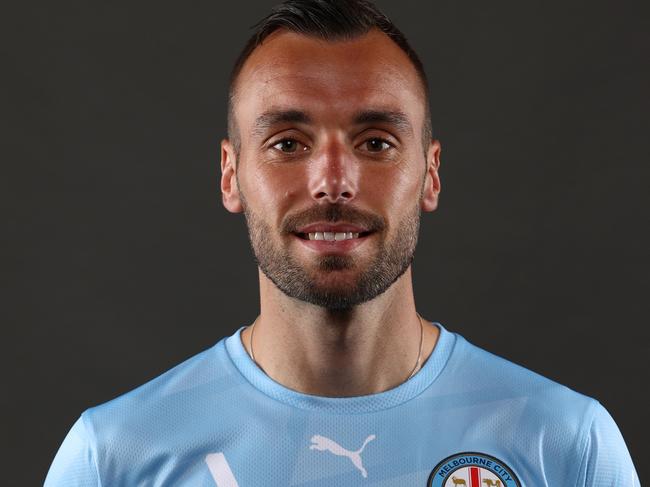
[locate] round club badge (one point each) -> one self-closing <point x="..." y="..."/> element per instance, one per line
<point x="472" y="469"/>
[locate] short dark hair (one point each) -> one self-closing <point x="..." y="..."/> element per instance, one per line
<point x="329" y="20"/>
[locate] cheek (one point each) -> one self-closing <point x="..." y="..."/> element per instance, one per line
<point x="276" y="190"/>
<point x="393" y="190"/>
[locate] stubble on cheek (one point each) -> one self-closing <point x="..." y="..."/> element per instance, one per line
<point x="272" y="253"/>
<point x="326" y="284"/>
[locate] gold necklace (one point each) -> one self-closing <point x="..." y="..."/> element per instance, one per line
<point x="415" y="368"/>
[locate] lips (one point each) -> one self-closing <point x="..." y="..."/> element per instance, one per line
<point x="331" y="235"/>
<point x="328" y="238"/>
<point x="331" y="227"/>
<point x="324" y="244"/>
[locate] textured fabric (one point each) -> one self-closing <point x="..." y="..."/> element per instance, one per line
<point x="218" y="419"/>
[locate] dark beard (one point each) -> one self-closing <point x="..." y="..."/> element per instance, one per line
<point x="391" y="261"/>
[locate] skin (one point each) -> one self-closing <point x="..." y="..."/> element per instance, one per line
<point x="292" y="173"/>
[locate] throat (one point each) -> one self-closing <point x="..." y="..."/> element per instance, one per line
<point x="335" y="369"/>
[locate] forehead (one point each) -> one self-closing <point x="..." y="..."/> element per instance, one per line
<point x="329" y="80"/>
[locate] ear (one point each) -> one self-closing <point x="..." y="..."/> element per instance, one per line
<point x="229" y="190"/>
<point x="431" y="178"/>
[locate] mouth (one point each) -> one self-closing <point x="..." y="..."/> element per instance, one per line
<point x="330" y="243"/>
<point x="326" y="237"/>
<point x="331" y="236"/>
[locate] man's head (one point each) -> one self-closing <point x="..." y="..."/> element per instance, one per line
<point x="327" y="120"/>
<point x="329" y="20"/>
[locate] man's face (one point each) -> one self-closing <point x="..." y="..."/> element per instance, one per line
<point x="331" y="145"/>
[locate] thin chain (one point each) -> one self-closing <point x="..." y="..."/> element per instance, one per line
<point x="250" y="343"/>
<point x="421" y="342"/>
<point x="415" y="368"/>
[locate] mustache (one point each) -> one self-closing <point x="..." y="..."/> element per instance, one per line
<point x="333" y="213"/>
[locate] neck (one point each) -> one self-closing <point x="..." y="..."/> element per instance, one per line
<point x="368" y="349"/>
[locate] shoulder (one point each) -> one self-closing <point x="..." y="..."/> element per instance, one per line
<point x="167" y="400"/>
<point x="569" y="434"/>
<point x="75" y="462"/>
<point x="517" y="407"/>
<point x="128" y="428"/>
<point x="166" y="414"/>
<point x="498" y="377"/>
<point x="606" y="459"/>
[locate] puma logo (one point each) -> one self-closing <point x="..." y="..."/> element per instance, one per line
<point x="321" y="443"/>
<point x="492" y="483"/>
<point x="458" y="481"/>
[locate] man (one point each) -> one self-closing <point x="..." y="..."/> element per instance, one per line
<point x="339" y="381"/>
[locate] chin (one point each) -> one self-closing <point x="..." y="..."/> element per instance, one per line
<point x="339" y="285"/>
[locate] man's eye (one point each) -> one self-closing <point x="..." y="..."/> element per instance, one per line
<point x="376" y="145"/>
<point x="287" y="145"/>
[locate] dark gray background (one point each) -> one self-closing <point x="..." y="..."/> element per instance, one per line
<point x="119" y="261"/>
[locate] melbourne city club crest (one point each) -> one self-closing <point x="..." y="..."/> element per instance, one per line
<point x="472" y="470"/>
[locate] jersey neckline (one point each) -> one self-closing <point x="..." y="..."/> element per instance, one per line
<point x="405" y="391"/>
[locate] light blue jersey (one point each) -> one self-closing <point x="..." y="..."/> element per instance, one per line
<point x="467" y="418"/>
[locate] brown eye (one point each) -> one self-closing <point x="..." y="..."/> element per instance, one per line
<point x="287" y="145"/>
<point x="376" y="145"/>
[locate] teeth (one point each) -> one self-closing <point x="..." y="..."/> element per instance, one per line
<point x="332" y="236"/>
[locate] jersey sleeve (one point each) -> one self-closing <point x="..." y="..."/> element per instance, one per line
<point x="74" y="464"/>
<point x="606" y="459"/>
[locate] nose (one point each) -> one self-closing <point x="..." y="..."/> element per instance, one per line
<point x="334" y="174"/>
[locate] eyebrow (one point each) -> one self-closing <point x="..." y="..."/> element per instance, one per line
<point x="397" y="119"/>
<point x="268" y="119"/>
<point x="274" y="117"/>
